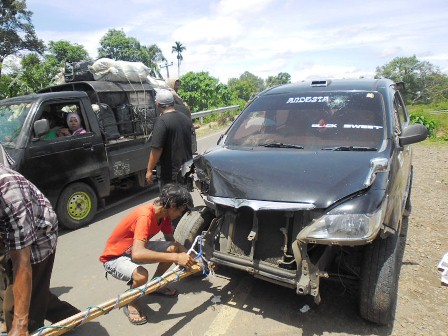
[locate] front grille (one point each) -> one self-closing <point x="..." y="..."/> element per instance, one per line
<point x="276" y="231"/>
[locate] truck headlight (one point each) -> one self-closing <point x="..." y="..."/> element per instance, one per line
<point x="344" y="229"/>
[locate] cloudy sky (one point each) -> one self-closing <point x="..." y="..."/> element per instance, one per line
<point x="307" y="39"/>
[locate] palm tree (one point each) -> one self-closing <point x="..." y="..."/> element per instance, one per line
<point x="178" y="48"/>
<point x="151" y="56"/>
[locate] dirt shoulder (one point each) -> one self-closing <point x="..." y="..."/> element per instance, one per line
<point x="422" y="300"/>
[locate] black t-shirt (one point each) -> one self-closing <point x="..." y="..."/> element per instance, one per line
<point x="172" y="132"/>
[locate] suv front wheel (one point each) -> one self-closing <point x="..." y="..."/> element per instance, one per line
<point x="192" y="224"/>
<point x="379" y="280"/>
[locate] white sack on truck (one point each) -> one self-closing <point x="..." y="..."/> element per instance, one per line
<point x="107" y="69"/>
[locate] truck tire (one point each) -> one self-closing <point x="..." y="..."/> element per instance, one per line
<point x="192" y="224"/>
<point x="379" y="280"/>
<point x="77" y="205"/>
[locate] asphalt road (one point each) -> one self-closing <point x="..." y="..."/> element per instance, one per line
<point x="228" y="303"/>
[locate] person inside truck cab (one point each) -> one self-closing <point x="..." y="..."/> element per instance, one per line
<point x="74" y="126"/>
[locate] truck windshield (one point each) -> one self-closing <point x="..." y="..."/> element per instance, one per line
<point x="12" y="117"/>
<point x="312" y="121"/>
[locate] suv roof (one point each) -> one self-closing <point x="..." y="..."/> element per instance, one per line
<point x="331" y="85"/>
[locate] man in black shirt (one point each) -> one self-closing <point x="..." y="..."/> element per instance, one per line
<point x="171" y="141"/>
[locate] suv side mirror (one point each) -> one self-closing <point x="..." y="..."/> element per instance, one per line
<point x="412" y="134"/>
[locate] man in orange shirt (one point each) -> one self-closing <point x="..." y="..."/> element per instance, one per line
<point x="129" y="245"/>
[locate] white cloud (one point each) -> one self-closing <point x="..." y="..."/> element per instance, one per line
<point x="238" y="8"/>
<point x="325" y="71"/>
<point x="209" y="30"/>
<point x="346" y="38"/>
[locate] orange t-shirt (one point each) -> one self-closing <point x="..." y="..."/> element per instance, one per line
<point x="140" y="224"/>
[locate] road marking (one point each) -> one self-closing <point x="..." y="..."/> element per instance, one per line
<point x="227" y="314"/>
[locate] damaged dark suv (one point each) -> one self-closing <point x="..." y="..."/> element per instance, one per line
<point x="311" y="181"/>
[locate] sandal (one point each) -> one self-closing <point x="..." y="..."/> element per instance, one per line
<point x="3" y="330"/>
<point x="133" y="316"/>
<point x="166" y="291"/>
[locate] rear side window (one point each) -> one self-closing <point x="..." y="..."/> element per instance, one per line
<point x="312" y="120"/>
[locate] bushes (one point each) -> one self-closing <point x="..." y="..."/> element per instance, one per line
<point x="428" y="123"/>
<point x="434" y="117"/>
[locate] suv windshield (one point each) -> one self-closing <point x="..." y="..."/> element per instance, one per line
<point x="313" y="121"/>
<point x="12" y="117"/>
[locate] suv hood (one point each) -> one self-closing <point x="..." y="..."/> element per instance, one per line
<point x="320" y="178"/>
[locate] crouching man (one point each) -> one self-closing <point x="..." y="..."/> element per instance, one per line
<point x="129" y="245"/>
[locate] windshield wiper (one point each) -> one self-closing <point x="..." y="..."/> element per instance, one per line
<point x="351" y="148"/>
<point x="280" y="145"/>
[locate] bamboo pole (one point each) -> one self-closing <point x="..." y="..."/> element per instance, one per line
<point x="71" y="322"/>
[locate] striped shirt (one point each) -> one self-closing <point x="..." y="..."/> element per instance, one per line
<point x="26" y="216"/>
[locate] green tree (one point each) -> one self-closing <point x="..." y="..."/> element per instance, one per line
<point x="281" y="78"/>
<point x="204" y="92"/>
<point x="414" y="73"/>
<point x="258" y="82"/>
<point x="65" y="51"/>
<point x="16" y="30"/>
<point x="437" y="85"/>
<point x="9" y="86"/>
<point x="151" y="56"/>
<point x="246" y="86"/>
<point x="179" y="49"/>
<point x="37" y="72"/>
<point x="115" y="44"/>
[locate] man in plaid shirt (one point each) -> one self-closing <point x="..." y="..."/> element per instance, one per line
<point x="29" y="229"/>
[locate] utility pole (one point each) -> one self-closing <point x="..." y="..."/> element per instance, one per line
<point x="166" y="66"/>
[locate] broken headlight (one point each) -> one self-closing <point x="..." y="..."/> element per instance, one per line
<point x="344" y="228"/>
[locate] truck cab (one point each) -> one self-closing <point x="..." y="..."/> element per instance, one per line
<point x="78" y="172"/>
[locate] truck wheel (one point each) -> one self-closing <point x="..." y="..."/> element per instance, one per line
<point x="192" y="224"/>
<point x="379" y="280"/>
<point x="77" y="206"/>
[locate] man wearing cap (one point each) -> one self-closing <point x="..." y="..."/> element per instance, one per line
<point x="171" y="141"/>
<point x="129" y="245"/>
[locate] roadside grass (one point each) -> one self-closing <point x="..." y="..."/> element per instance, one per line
<point x="211" y="127"/>
<point x="215" y="122"/>
<point x="434" y="117"/>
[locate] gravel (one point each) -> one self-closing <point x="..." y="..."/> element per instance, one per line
<point x="422" y="307"/>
